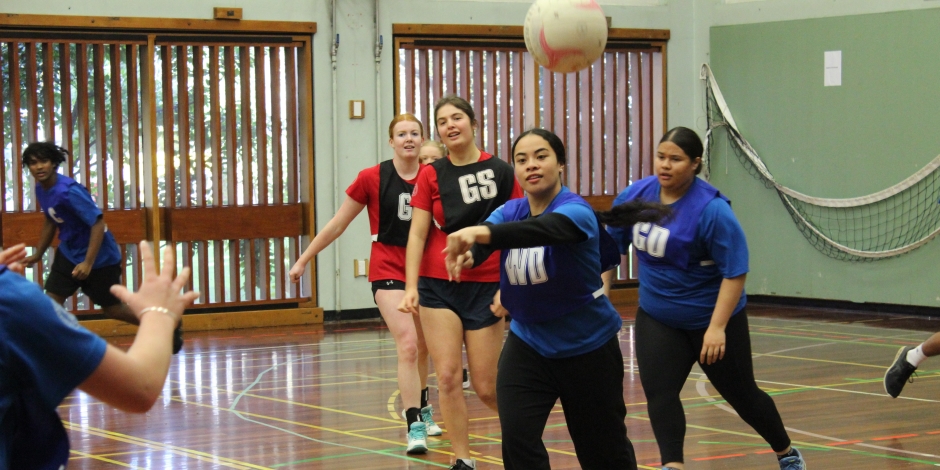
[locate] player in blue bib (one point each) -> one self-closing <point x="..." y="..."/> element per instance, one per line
<point x="563" y="341"/>
<point x="87" y="257"/>
<point x="692" y="271"/>
<point x="45" y="354"/>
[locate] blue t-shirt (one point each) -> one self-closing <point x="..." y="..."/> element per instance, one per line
<point x="70" y="206"/>
<point x="44" y="355"/>
<point x="686" y="298"/>
<point x="589" y="326"/>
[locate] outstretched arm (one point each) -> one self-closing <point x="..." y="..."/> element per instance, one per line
<point x="45" y="239"/>
<point x="132" y="380"/>
<point x="333" y="229"/>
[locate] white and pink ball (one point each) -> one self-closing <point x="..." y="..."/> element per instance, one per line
<point x="565" y="35"/>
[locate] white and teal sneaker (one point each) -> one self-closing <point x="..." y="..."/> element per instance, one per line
<point x="427" y="416"/>
<point x="417" y="438"/>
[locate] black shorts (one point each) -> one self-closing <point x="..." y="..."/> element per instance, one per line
<point x="387" y="284"/>
<point x="469" y="300"/>
<point x="97" y="286"/>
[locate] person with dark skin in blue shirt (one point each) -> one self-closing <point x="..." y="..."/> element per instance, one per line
<point x="87" y="257"/>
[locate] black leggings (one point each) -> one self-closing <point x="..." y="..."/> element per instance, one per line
<point x="665" y="356"/>
<point x="590" y="387"/>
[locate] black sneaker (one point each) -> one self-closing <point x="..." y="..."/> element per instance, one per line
<point x="178" y="338"/>
<point x="899" y="373"/>
<point x="462" y="466"/>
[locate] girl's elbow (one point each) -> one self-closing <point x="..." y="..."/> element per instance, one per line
<point x="142" y="402"/>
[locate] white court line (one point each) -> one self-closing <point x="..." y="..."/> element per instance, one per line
<point x="700" y="388"/>
<point x="257" y="380"/>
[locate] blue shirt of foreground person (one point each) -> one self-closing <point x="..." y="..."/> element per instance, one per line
<point x="45" y="354"/>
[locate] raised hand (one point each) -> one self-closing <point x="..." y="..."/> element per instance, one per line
<point x="15" y="258"/>
<point x="158" y="291"/>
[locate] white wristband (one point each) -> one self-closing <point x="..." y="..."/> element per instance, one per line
<point x="154" y="308"/>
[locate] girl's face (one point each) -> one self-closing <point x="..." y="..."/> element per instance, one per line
<point x="674" y="169"/>
<point x="536" y="165"/>
<point x="454" y="127"/>
<point x="429" y="153"/>
<point x="406" y="139"/>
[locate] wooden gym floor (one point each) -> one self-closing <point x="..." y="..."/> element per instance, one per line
<point x="326" y="398"/>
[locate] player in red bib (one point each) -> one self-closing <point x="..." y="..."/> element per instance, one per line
<point x="450" y="194"/>
<point x="385" y="189"/>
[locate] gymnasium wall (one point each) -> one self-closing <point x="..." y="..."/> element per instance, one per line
<point x="875" y="130"/>
<point x="782" y="262"/>
<point x="356" y="140"/>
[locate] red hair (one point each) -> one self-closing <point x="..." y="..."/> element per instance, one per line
<point x="401" y="118"/>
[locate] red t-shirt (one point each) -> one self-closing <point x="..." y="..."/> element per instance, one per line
<point x="427" y="197"/>
<point x="387" y="261"/>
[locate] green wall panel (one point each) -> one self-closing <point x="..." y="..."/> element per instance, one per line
<point x="878" y="128"/>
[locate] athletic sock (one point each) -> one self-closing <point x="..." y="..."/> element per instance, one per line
<point x="916" y="356"/>
<point x="425" y="395"/>
<point x="792" y="453"/>
<point x="470" y="463"/>
<point x="412" y="415"/>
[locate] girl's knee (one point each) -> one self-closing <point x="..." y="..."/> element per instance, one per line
<point x="407" y="349"/>
<point x="450" y="380"/>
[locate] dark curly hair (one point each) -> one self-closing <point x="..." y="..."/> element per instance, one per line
<point x="44" y="152"/>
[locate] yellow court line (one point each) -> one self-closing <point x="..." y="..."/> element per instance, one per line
<point x="85" y="455"/>
<point x="364" y="381"/>
<point x="352" y="433"/>
<point x="182" y="451"/>
<point x="304" y="425"/>
<point x="392" y="410"/>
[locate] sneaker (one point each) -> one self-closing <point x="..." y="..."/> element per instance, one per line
<point x="794" y="462"/>
<point x="417" y="438"/>
<point x="466" y="379"/>
<point x="899" y="373"/>
<point x="427" y="416"/>
<point x="462" y="466"/>
<point x="178" y="338"/>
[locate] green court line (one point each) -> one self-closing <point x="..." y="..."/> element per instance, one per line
<point x="765" y="445"/>
<point x="826" y="340"/>
<point x="805" y="446"/>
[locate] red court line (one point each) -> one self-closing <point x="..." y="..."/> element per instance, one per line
<point x="273" y="334"/>
<point x="765" y="451"/>
<point x="899" y="436"/>
<point x="717" y="457"/>
<point x="933" y="432"/>
<point x="304" y="333"/>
